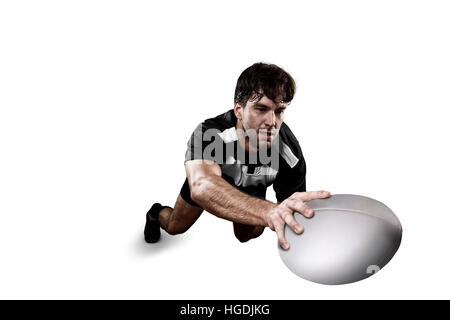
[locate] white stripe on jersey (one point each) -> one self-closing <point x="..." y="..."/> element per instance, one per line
<point x="288" y="155"/>
<point x="230" y="135"/>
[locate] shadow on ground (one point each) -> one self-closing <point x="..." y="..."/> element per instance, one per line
<point x="165" y="244"/>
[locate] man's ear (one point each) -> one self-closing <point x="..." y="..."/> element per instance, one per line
<point x="238" y="109"/>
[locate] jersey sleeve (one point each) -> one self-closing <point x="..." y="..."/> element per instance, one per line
<point x="290" y="179"/>
<point x="204" y="143"/>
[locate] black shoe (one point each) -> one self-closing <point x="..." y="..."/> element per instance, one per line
<point x="152" y="230"/>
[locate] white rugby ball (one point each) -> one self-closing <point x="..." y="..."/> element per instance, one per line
<point x="349" y="238"/>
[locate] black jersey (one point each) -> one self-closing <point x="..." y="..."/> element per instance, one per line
<point x="249" y="175"/>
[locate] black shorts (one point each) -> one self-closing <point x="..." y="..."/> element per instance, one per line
<point x="186" y="194"/>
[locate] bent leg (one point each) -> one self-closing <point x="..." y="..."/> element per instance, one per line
<point x="246" y="232"/>
<point x="180" y="218"/>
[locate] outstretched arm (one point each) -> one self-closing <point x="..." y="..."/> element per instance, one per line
<point x="218" y="197"/>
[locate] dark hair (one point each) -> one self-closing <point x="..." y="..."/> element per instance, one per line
<point x="264" y="79"/>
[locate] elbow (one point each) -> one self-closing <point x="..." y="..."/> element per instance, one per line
<point x="199" y="189"/>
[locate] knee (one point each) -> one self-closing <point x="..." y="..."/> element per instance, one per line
<point x="174" y="229"/>
<point x="242" y="235"/>
<point x="246" y="236"/>
<point x="242" y="238"/>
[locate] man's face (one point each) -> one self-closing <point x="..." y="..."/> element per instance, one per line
<point x="261" y="120"/>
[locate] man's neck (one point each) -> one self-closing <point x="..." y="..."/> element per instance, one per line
<point x="243" y="142"/>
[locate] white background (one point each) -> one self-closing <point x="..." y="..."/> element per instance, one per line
<point x="98" y="100"/>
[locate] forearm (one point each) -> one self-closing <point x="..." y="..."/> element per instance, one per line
<point x="217" y="196"/>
